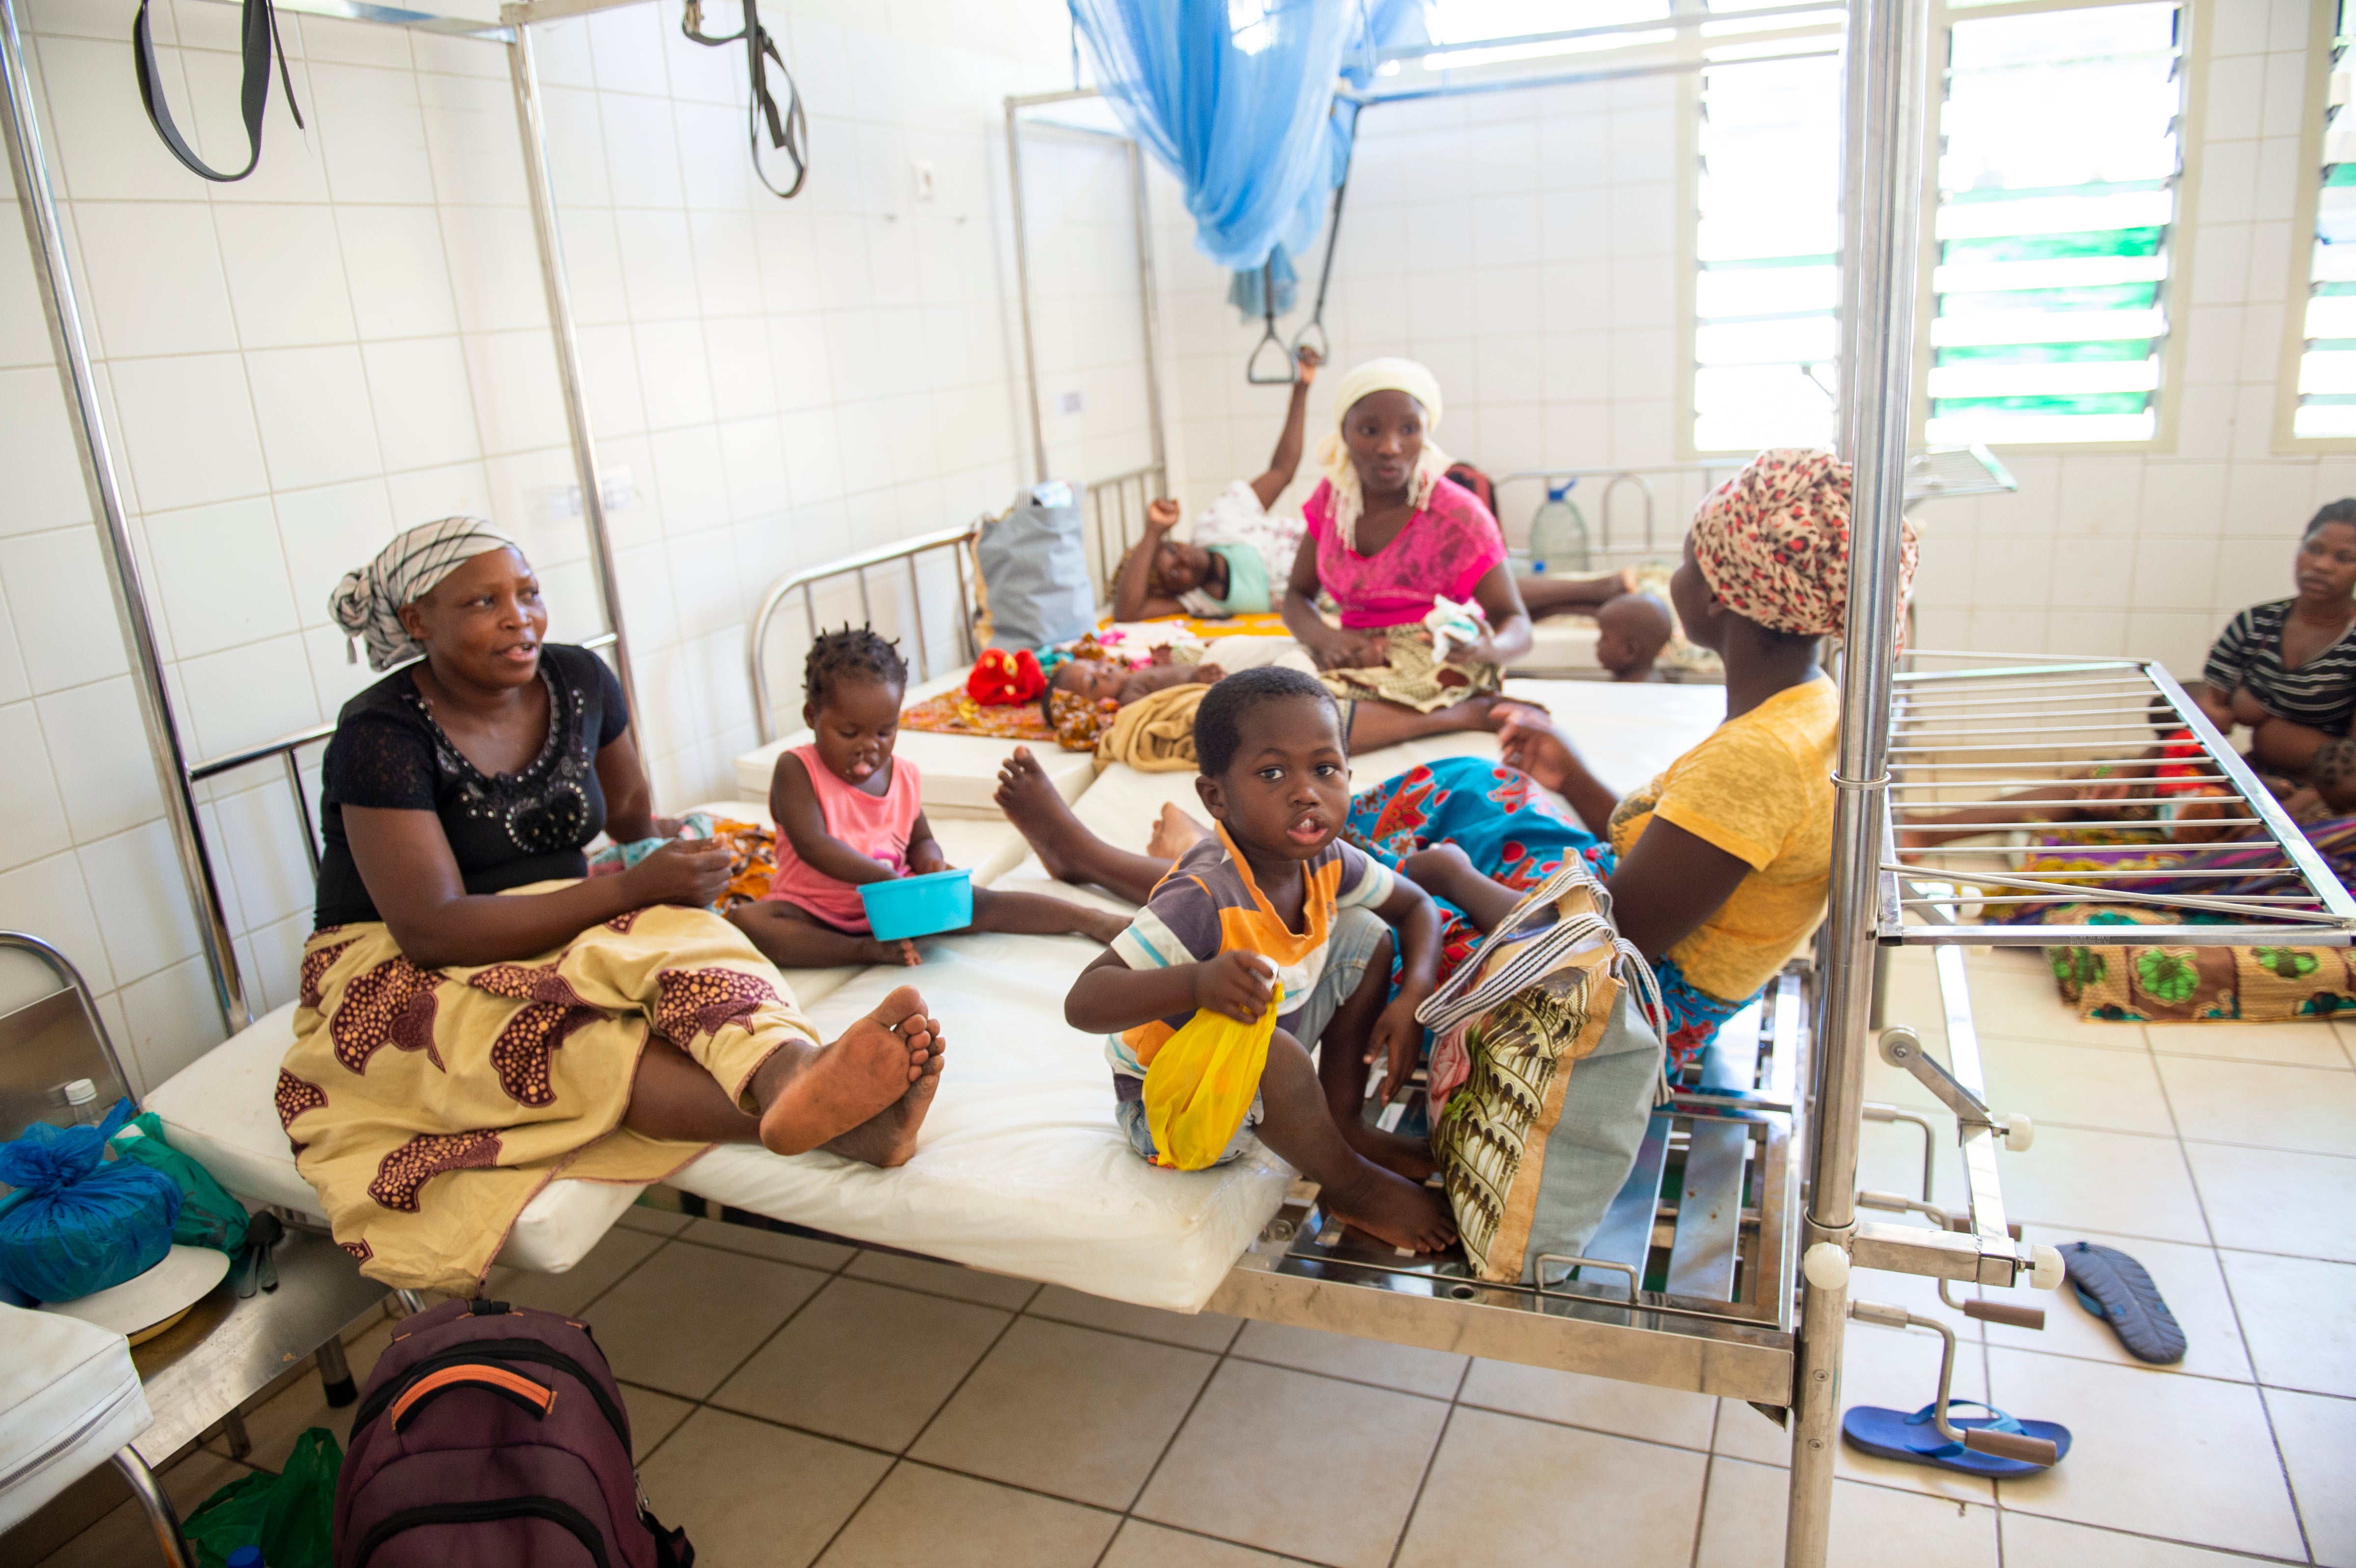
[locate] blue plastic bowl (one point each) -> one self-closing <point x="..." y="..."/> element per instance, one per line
<point x="918" y="906"/>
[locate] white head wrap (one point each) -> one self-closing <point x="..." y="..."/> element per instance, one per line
<point x="367" y="603"/>
<point x="1334" y="453"/>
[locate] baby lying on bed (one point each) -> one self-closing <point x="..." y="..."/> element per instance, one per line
<point x="1275" y="901"/>
<point x="848" y="814"/>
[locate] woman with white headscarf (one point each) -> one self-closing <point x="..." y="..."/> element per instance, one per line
<point x="477" y="1016"/>
<point x="1389" y="536"/>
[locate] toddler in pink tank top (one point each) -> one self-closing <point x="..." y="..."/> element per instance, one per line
<point x="849" y="813"/>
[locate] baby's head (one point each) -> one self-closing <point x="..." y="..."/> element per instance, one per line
<point x="1631" y="630"/>
<point x="1092" y="679"/>
<point x="851" y="685"/>
<point x="1273" y="761"/>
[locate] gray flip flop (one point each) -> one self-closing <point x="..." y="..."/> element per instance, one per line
<point x="2116" y="1288"/>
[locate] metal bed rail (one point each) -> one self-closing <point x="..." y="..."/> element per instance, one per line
<point x="956" y="541"/>
<point x="2010" y="749"/>
<point x="1119" y="504"/>
<point x="1688" y="1280"/>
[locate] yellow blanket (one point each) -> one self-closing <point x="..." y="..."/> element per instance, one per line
<point x="1154" y="734"/>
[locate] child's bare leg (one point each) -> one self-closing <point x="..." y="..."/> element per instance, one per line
<point x="1556" y="595"/>
<point x="862" y="1096"/>
<point x="1066" y="848"/>
<point x="1036" y="914"/>
<point x="1445" y="871"/>
<point x="1342" y="1068"/>
<point x="1296" y="1124"/>
<point x="790" y="939"/>
<point x="1374" y="724"/>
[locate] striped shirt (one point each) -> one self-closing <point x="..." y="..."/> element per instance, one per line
<point x="2320" y="693"/>
<point x="1209" y="903"/>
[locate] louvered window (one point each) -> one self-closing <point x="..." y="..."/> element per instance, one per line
<point x="2327" y="366"/>
<point x="2058" y="183"/>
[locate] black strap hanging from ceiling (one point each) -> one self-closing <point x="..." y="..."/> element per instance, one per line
<point x="260" y="27"/>
<point x="788" y="129"/>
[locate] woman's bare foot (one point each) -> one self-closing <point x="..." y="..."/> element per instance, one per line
<point x="888" y="1138"/>
<point x="899" y="950"/>
<point x="1397" y="1152"/>
<point x="1041" y="815"/>
<point x="1392" y="1208"/>
<point x="808" y="1098"/>
<point x="1174" y="833"/>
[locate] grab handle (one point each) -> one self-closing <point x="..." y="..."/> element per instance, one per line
<point x="1267" y="339"/>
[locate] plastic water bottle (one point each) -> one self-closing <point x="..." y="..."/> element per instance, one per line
<point x="1558" y="533"/>
<point x="247" y="1557"/>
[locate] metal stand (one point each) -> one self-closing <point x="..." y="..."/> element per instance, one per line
<point x="157" y="1503"/>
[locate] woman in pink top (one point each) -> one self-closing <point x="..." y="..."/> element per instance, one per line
<point x="1389" y="536"/>
<point x="848" y="814"/>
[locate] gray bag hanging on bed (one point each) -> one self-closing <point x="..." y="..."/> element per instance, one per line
<point x="1034" y="571"/>
<point x="1539" y="1136"/>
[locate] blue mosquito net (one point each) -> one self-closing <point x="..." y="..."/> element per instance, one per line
<point x="1236" y="98"/>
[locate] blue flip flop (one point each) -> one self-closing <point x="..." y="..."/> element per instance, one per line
<point x="1915" y="1440"/>
<point x="2116" y="1289"/>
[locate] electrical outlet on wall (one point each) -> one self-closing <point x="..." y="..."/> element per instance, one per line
<point x="1072" y="403"/>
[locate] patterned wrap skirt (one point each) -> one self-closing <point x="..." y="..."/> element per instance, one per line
<point x="428" y="1107"/>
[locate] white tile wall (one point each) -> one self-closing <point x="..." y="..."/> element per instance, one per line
<point x="355" y="340"/>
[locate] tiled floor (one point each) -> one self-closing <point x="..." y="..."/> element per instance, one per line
<point x="796" y="1402"/>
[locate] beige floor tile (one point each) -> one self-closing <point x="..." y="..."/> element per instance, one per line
<point x="2303" y="1108"/>
<point x="2013" y="995"/>
<point x="755" y="1496"/>
<point x="653" y="1417"/>
<point x="272" y="1426"/>
<point x="2189" y="1280"/>
<point x="945" y="1279"/>
<point x="2076" y="1085"/>
<point x="1632" y="1410"/>
<point x="2184" y="1458"/>
<point x="2030" y="1541"/>
<point x="1872" y="1527"/>
<point x="621" y="1250"/>
<point x="1409" y="1367"/>
<point x="1502" y="1489"/>
<point x="2318" y="1044"/>
<point x="1297" y="1464"/>
<point x="1069" y="1411"/>
<point x="1143" y="1545"/>
<point x="864" y="1363"/>
<point x="1211" y="1331"/>
<point x="2317" y="1438"/>
<point x="654" y="1222"/>
<point x="824" y="1256"/>
<point x="2299" y="1316"/>
<point x="690" y="1315"/>
<point x="2119" y="1182"/>
<point x="2267" y="1200"/>
<point x="1897" y="1368"/>
<point x="921" y="1518"/>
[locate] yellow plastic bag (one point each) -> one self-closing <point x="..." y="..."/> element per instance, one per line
<point x="1201" y="1082"/>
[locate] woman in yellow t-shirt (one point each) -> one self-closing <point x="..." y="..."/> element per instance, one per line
<point x="1723" y="860"/>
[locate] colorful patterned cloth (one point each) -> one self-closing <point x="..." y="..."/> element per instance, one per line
<point x="1514" y="834"/>
<point x="427" y="1107"/>
<point x="751" y="856"/>
<point x="1411" y="677"/>
<point x="1772" y="543"/>
<point x="1081" y="721"/>
<point x="955" y="713"/>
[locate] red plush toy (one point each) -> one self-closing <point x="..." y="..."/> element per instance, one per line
<point x="1000" y="680"/>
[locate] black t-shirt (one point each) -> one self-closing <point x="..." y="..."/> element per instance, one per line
<point x="520" y="827"/>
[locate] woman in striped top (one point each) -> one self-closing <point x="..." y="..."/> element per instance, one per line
<point x="2287" y="669"/>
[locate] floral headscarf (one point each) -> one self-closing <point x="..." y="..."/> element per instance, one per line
<point x="1772" y="543"/>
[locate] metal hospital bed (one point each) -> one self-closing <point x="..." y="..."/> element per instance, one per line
<point x="1727" y="1264"/>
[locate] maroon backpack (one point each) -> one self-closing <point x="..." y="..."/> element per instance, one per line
<point x="493" y="1436"/>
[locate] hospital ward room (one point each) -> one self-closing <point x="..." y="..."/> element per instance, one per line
<point x="1178" y="783"/>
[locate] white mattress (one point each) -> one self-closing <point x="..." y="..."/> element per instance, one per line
<point x="960" y="770"/>
<point x="69" y="1398"/>
<point x="1020" y="1169"/>
<point x="1562" y="642"/>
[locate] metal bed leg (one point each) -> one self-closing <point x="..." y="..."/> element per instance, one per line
<point x="1815" y="1426"/>
<point x="234" y="1434"/>
<point x="158" y="1505"/>
<point x="336" y="1375"/>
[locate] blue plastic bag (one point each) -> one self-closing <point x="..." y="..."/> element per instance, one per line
<point x="78" y="1223"/>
